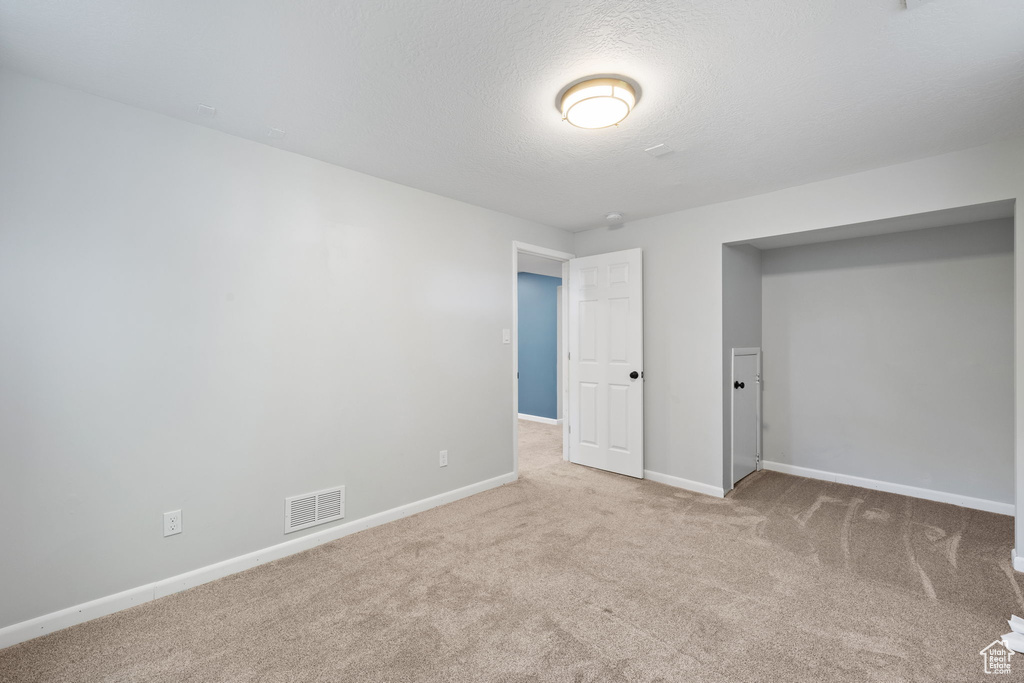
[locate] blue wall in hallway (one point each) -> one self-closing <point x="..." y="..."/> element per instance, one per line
<point x="538" y="352"/>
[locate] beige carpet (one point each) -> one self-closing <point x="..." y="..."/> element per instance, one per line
<point x="540" y="445"/>
<point x="576" y="575"/>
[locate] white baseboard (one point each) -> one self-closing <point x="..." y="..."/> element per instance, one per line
<point x="689" y="485"/>
<point x="1018" y="561"/>
<point x="48" y="623"/>
<point x="902" y="489"/>
<point x="536" y="418"/>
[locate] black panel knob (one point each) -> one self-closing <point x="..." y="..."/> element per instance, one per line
<point x="738" y="385"/>
<point x="634" y="374"/>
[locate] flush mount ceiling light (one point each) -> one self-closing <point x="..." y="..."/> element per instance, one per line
<point x="597" y="102"/>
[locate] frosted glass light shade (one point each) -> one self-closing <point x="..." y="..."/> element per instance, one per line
<point x="598" y="103"/>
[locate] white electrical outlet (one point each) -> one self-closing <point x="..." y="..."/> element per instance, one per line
<point x="172" y="523"/>
<point x="444" y="458"/>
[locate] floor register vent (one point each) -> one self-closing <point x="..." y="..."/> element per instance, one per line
<point x="310" y="509"/>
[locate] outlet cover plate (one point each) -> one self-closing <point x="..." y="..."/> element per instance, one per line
<point x="172" y="523"/>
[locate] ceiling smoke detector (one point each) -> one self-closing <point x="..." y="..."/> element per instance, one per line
<point x="597" y="102"/>
<point x="613" y="217"/>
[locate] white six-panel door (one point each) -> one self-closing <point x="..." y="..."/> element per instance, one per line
<point x="606" y="362"/>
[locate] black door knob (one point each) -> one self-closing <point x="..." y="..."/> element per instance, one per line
<point x="738" y="385"/>
<point x="634" y="374"/>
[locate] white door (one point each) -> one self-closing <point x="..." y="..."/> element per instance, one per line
<point x="746" y="411"/>
<point x="606" y="362"/>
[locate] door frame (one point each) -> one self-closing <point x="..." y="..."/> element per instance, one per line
<point x="563" y="351"/>
<point x="743" y="351"/>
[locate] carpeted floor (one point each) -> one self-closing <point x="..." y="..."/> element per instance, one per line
<point x="572" y="574"/>
<point x="540" y="445"/>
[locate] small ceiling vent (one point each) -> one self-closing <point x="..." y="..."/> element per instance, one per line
<point x="310" y="509"/>
<point x="659" y="150"/>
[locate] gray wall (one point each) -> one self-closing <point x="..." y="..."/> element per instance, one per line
<point x="195" y="321"/>
<point x="683" y="389"/>
<point x="741" y="328"/>
<point x="891" y="358"/>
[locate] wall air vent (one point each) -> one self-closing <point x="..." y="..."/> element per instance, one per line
<point x="310" y="509"/>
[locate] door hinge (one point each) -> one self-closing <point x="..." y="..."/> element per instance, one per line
<point x="758" y="378"/>
<point x="570" y="355"/>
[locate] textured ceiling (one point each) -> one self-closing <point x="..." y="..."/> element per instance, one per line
<point x="457" y="97"/>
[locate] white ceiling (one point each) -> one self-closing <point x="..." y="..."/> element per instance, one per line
<point x="457" y="96"/>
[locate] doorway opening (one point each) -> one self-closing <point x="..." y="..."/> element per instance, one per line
<point x="888" y="353"/>
<point x="539" y="351"/>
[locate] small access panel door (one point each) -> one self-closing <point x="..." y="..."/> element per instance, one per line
<point x="746" y="411"/>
